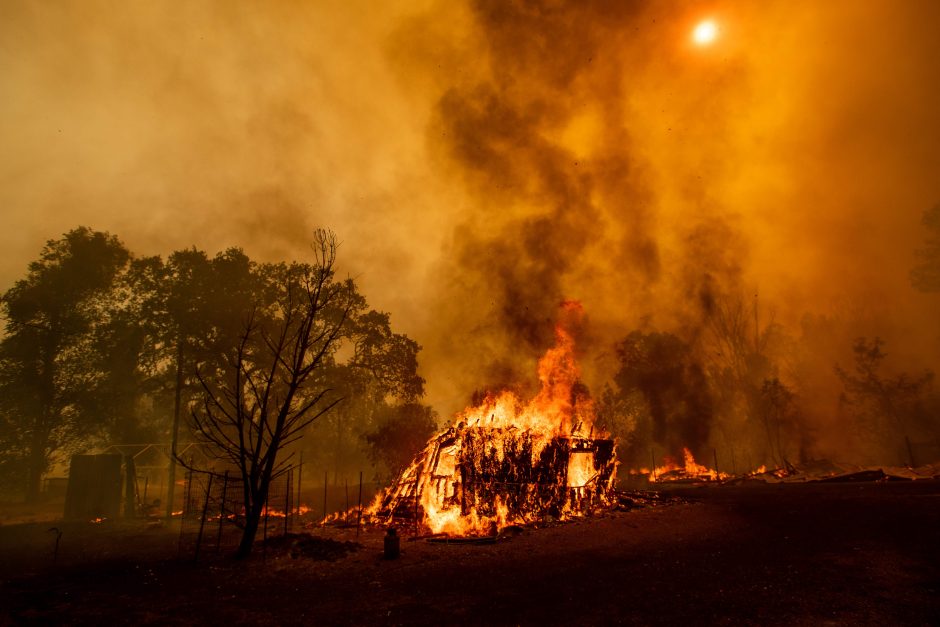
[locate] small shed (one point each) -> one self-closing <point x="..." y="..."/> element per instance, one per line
<point x="94" y="488"/>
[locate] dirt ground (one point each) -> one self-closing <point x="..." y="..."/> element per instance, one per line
<point x="810" y="554"/>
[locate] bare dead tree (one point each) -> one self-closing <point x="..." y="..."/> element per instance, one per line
<point x="269" y="393"/>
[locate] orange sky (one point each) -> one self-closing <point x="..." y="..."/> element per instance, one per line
<point x="482" y="160"/>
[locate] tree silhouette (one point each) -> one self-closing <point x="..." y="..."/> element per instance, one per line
<point x="663" y="368"/>
<point x="379" y="374"/>
<point x="401" y="432"/>
<point x="267" y="396"/>
<point x="200" y="310"/>
<point x="886" y="405"/>
<point x="47" y="367"/>
<point x="777" y="414"/>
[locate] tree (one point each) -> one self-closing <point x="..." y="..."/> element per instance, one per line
<point x="777" y="402"/>
<point x="887" y="406"/>
<point x="663" y="368"/>
<point x="925" y="276"/>
<point x="200" y="310"/>
<point x="380" y="374"/>
<point x="624" y="414"/>
<point x="46" y="359"/>
<point x="131" y="398"/>
<point x="267" y="396"/>
<point x="748" y="370"/>
<point x="401" y="432"/>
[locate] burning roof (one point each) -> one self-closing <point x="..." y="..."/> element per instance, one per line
<point x="505" y="461"/>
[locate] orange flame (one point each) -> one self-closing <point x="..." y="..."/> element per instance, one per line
<point x="499" y="426"/>
<point x="554" y="411"/>
<point x="690" y="469"/>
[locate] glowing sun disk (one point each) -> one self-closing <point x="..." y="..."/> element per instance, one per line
<point x="705" y="32"/>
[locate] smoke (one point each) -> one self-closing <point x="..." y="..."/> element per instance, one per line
<point x="212" y="125"/>
<point x="546" y="135"/>
<point x="611" y="161"/>
<point x="483" y="161"/>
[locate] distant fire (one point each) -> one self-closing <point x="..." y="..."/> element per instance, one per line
<point x="508" y="462"/>
<point x="689" y="470"/>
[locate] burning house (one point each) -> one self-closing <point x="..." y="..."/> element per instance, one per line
<point x="506" y="461"/>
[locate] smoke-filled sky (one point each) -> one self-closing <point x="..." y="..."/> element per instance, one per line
<point x="481" y="161"/>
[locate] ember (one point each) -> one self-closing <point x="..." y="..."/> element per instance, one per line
<point x="507" y="462"/>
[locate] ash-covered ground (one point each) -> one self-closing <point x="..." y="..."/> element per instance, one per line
<point x="846" y="554"/>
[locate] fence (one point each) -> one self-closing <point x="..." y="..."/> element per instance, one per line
<point x="213" y="515"/>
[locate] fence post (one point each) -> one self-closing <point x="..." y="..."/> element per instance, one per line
<point x="264" y="536"/>
<point x="218" y="541"/>
<point x="325" y="479"/>
<point x="186" y="498"/>
<point x="287" y="493"/>
<point x="202" y="521"/>
<point x="359" y="517"/>
<point x="300" y="475"/>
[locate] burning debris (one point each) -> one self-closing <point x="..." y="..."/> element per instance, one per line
<point x="507" y="462"/>
<point x="823" y="471"/>
<point x="690" y="470"/>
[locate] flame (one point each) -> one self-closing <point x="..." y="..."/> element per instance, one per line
<point x="554" y="411"/>
<point x="580" y="469"/>
<point x="506" y="461"/>
<point x="690" y="469"/>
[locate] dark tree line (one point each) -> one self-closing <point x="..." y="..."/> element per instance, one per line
<point x="759" y="395"/>
<point x="102" y="346"/>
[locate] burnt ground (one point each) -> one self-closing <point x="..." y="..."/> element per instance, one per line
<point x="844" y="554"/>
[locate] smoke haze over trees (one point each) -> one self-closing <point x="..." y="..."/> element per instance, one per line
<point x="483" y="161"/>
<point x="101" y="347"/>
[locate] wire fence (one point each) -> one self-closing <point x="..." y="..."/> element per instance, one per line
<point x="214" y="513"/>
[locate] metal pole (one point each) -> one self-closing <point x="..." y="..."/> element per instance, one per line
<point x="287" y="502"/>
<point x="715" y="456"/>
<point x="652" y="465"/>
<point x="202" y="521"/>
<point x="300" y="474"/>
<point x="189" y="503"/>
<point x="189" y="483"/>
<point x="187" y="496"/>
<point x="359" y="517"/>
<point x="325" y="479"/>
<point x="218" y="541"/>
<point x="171" y="481"/>
<point x="264" y="536"/>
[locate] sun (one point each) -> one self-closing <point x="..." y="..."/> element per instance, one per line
<point x="705" y="32"/>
